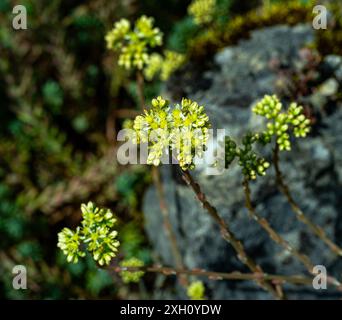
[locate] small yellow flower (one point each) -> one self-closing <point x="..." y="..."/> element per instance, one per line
<point x="196" y="290"/>
<point x="134" y="44"/>
<point x="131" y="276"/>
<point x="202" y="11"/>
<point x="183" y="129"/>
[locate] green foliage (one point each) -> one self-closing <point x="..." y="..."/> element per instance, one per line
<point x="131" y="276"/>
<point x="13" y="223"/>
<point x="204" y="17"/>
<point x="217" y="36"/>
<point x="132" y="242"/>
<point x="329" y="41"/>
<point x="88" y="31"/>
<point x="54" y="155"/>
<point x="96" y="233"/>
<point x="181" y="34"/>
<point x="97" y="280"/>
<point x="134" y="45"/>
<point x="202" y="11"/>
<point x="196" y="290"/>
<point x="184" y="129"/>
<point x="130" y="184"/>
<point x="53" y="96"/>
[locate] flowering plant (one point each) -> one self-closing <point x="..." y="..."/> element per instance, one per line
<point x="134" y="43"/>
<point x="183" y="129"/>
<point x="96" y="233"/>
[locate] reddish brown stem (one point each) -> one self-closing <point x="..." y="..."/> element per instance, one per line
<point x="271" y="232"/>
<point x="317" y="230"/>
<point x="140" y="89"/>
<point x="160" y="190"/>
<point x="229" y="236"/>
<point x="275" y="279"/>
<point x="167" y="224"/>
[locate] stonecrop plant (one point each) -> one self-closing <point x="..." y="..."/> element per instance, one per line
<point x="96" y="234"/>
<point x="131" y="276"/>
<point x="251" y="163"/>
<point x="163" y="65"/>
<point x="280" y="123"/>
<point x="183" y="129"/>
<point x="202" y="11"/>
<point x="164" y="127"/>
<point x="134" y="43"/>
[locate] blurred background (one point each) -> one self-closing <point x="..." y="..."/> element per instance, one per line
<point x="63" y="98"/>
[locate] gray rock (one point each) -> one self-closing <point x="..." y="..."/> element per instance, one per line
<point x="313" y="170"/>
<point x="335" y="63"/>
<point x="328" y="88"/>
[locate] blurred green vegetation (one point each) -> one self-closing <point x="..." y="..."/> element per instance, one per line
<point x="61" y="92"/>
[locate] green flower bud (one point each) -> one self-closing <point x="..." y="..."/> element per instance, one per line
<point x="131" y="276"/>
<point x="281" y="123"/>
<point x="202" y="11"/>
<point x="134" y="44"/>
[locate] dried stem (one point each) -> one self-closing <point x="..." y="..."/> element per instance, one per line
<point x="229" y="236"/>
<point x="318" y="231"/>
<point x="275" y="279"/>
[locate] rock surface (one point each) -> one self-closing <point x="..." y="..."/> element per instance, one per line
<point x="240" y="76"/>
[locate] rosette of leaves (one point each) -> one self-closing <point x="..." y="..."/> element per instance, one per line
<point x="133" y="43"/>
<point x="96" y="234"/>
<point x="183" y="129"/>
<point x="280" y="123"/>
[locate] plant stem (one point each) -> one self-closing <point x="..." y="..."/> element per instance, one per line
<point x="318" y="231"/>
<point x="161" y="195"/>
<point x="276" y="279"/>
<point x="272" y="233"/>
<point x="279" y="239"/>
<point x="167" y="224"/>
<point x="229" y="236"/>
<point x="140" y="89"/>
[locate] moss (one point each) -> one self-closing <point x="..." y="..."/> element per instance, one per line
<point x="210" y="41"/>
<point x="329" y="41"/>
<point x="213" y="39"/>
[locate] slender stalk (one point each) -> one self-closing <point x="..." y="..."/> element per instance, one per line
<point x="304" y="259"/>
<point x="167" y="224"/>
<point x="317" y="230"/>
<point x="272" y="233"/>
<point x="161" y="195"/>
<point x="140" y="89"/>
<point x="229" y="236"/>
<point x="276" y="279"/>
